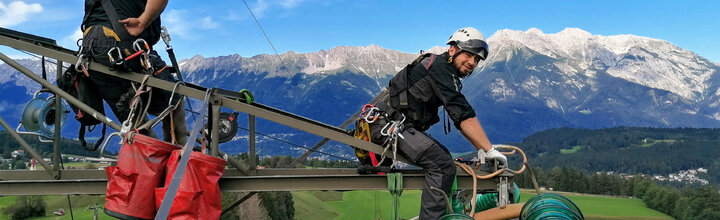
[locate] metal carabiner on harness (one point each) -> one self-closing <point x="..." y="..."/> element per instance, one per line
<point x="393" y="128"/>
<point x="370" y="113"/>
<point x="145" y="61"/>
<point x="82" y="65"/>
<point x="117" y="61"/>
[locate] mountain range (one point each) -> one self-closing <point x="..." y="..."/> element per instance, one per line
<point x="531" y="81"/>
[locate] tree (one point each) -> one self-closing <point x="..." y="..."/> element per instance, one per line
<point x="27" y="207"/>
<point x="20" y="164"/>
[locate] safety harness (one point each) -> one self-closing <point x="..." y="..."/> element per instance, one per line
<point x="114" y="47"/>
<point x="391" y="130"/>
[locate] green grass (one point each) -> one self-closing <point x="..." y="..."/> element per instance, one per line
<point x="606" y="207"/>
<point x="378" y="205"/>
<point x="308" y="206"/>
<point x="53" y="203"/>
<point x="657" y="141"/>
<point x="5" y="201"/>
<point x="571" y="150"/>
<point x="329" y="195"/>
<point x="354" y="205"/>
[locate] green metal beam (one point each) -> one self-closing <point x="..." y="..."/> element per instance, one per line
<point x="93" y="182"/>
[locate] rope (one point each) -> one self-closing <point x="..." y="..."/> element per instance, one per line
<point x="472" y="173"/>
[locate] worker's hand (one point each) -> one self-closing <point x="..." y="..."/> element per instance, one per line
<point x="133" y="25"/>
<point x="495" y="154"/>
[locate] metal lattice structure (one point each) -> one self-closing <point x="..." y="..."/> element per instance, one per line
<point x="56" y="181"/>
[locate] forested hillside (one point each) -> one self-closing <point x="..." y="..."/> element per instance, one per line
<point x="627" y="150"/>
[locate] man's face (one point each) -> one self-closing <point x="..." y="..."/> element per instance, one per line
<point x="465" y="63"/>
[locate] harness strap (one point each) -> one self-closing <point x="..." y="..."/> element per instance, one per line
<point x="403" y="95"/>
<point x="113" y="17"/>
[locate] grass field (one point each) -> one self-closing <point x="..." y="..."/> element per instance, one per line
<point x="80" y="206"/>
<point x="606" y="207"/>
<point x="378" y="205"/>
<point x="367" y="205"/>
<point x="571" y="150"/>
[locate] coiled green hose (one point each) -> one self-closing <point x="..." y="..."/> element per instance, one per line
<point x="550" y="206"/>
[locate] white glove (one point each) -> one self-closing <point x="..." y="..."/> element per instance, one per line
<point x="496" y="155"/>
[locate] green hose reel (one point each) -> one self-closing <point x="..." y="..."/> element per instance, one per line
<point x="550" y="206"/>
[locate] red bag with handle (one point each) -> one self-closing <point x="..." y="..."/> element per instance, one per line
<point x="140" y="169"/>
<point x="198" y="196"/>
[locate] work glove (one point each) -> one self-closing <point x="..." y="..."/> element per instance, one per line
<point x="496" y="155"/>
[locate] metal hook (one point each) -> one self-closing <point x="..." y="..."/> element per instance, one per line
<point x="119" y="55"/>
<point x="173" y="92"/>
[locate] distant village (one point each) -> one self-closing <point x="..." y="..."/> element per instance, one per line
<point x="690" y="176"/>
<point x="32" y="164"/>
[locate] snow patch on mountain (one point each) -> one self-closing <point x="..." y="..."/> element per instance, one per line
<point x="646" y="61"/>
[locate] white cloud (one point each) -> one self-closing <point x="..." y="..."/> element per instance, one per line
<point x="290" y="3"/>
<point x="208" y="23"/>
<point x="17" y="12"/>
<point x="263" y="5"/>
<point x="70" y="41"/>
<point x="235" y="15"/>
<point x="183" y="24"/>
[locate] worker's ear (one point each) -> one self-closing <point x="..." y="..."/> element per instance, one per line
<point x="453" y="49"/>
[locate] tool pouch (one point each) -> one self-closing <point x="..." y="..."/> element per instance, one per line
<point x="131" y="183"/>
<point x="198" y="196"/>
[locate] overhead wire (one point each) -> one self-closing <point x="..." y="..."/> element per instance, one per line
<point x="297" y="145"/>
<point x="268" y="40"/>
<point x="37" y="56"/>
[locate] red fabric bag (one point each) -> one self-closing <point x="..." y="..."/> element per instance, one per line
<point x="131" y="183"/>
<point x="198" y="196"/>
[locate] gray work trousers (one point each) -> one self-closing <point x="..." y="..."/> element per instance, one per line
<point x="426" y="152"/>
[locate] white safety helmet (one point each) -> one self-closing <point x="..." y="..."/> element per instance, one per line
<point x="470" y="40"/>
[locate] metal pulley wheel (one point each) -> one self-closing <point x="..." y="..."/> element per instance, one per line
<point x="227" y="126"/>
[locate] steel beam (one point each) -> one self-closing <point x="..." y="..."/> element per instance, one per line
<point x="87" y="181"/>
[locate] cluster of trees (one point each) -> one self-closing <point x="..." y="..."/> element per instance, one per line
<point x="627" y="150"/>
<point x="26" y="207"/>
<point x="690" y="202"/>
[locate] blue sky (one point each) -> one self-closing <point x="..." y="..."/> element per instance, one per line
<point x="223" y="27"/>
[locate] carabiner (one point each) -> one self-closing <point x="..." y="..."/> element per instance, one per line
<point x="81" y="65"/>
<point x="137" y="47"/>
<point x="119" y="56"/>
<point x="370" y="115"/>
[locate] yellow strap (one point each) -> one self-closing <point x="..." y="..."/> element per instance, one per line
<point x="110" y="33"/>
<point x="362" y="132"/>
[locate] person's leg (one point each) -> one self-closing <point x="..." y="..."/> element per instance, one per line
<point x="179" y="125"/>
<point x="117" y="93"/>
<point x="111" y="89"/>
<point x="437" y="163"/>
<point x="160" y="100"/>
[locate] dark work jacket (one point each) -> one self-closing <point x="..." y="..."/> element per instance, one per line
<point x="435" y="86"/>
<point x="125" y="9"/>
